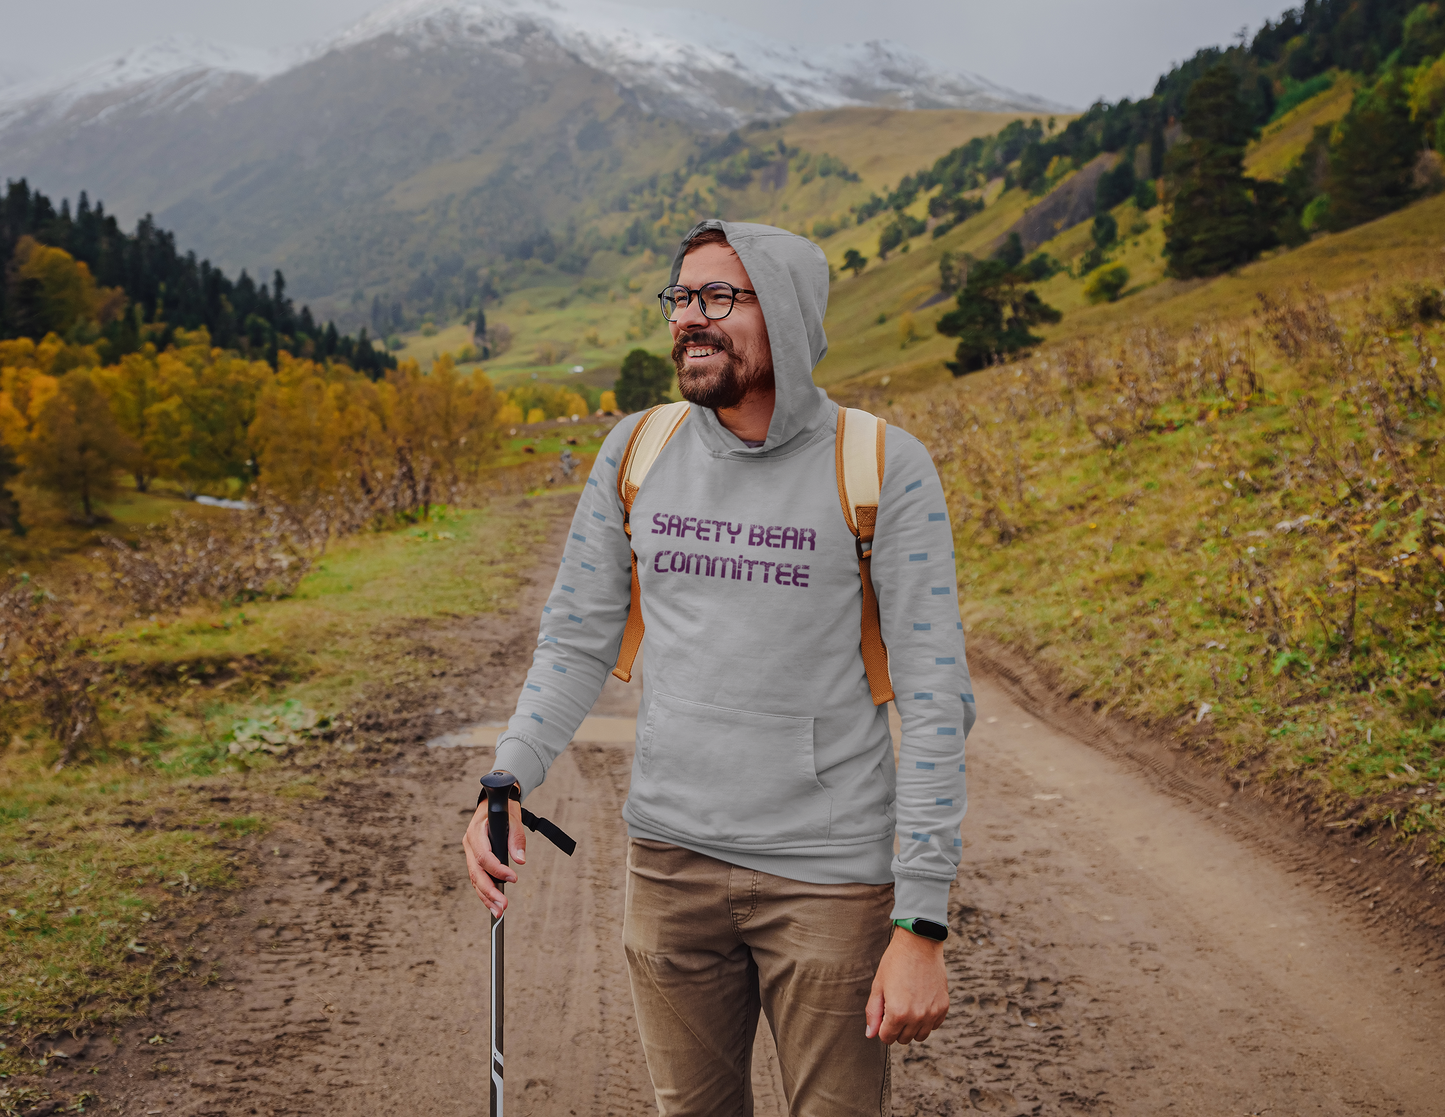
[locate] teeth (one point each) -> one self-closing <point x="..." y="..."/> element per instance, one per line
<point x="703" y="351"/>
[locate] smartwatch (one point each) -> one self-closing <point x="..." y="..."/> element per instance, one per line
<point x="927" y="928"/>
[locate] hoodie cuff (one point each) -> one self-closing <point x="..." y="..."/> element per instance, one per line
<point x="515" y="755"/>
<point x="920" y="898"/>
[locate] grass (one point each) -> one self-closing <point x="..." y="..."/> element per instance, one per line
<point x="1283" y="141"/>
<point x="1174" y="555"/>
<point x="109" y="865"/>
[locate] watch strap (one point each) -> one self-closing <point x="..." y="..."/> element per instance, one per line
<point x="924" y="928"/>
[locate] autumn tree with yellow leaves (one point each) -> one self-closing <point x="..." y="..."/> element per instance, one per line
<point x="214" y="422"/>
<point x="76" y="447"/>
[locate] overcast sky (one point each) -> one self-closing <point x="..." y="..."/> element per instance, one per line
<point x="1070" y="51"/>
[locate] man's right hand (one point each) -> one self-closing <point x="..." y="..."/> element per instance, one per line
<point x="482" y="867"/>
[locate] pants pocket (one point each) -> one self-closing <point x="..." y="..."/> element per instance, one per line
<point x="729" y="778"/>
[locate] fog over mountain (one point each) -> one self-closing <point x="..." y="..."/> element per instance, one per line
<point x="503" y="114"/>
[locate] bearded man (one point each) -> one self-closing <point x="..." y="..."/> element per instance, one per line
<point x="765" y="797"/>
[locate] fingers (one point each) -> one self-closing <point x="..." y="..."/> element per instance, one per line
<point x="516" y="835"/>
<point x="874" y="1012"/>
<point x="905" y="1027"/>
<point x="482" y="882"/>
<point x="482" y="866"/>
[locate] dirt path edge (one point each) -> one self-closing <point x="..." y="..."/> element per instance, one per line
<point x="1392" y="894"/>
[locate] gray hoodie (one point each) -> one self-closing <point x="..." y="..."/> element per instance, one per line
<point x="758" y="742"/>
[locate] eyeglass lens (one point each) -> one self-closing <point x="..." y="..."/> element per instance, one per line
<point x="715" y="299"/>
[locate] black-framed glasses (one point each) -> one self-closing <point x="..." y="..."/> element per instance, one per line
<point x="714" y="299"/>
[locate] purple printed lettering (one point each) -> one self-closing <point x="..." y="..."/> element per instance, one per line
<point x="702" y="532"/>
<point x="773" y="539"/>
<point x="657" y="561"/>
<point x="661" y="522"/>
<point x="755" y="535"/>
<point x="800" y="577"/>
<point x="767" y="569"/>
<point x="751" y="563"/>
<point x="679" y="569"/>
<point x="723" y="568"/>
<point x="809" y="536"/>
<point x="686" y="521"/>
<point x="732" y="531"/>
<point x="674" y="522"/>
<point x="703" y="566"/>
<point x="790" y="533"/>
<point x="783" y="574"/>
<point x="719" y="526"/>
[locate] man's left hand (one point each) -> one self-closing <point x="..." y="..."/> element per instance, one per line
<point x="910" y="991"/>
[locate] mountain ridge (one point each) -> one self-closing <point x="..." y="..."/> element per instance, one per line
<point x="664" y="60"/>
<point x="434" y="136"/>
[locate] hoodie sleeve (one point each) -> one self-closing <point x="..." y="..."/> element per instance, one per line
<point x="916" y="581"/>
<point x="581" y="628"/>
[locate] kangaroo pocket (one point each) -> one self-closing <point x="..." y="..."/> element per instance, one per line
<point x="729" y="778"/>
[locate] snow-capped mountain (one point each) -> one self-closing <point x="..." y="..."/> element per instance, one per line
<point x="431" y="135"/>
<point x="171" y="73"/>
<point x="693" y="66"/>
<point x="682" y="65"/>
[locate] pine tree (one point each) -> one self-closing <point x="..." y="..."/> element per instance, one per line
<point x="1372" y="162"/>
<point x="996" y="309"/>
<point x="1216" y="221"/>
<point x="479" y="334"/>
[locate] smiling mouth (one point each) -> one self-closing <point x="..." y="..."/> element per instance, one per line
<point x="697" y="352"/>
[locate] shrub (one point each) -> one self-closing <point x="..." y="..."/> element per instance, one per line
<point x="1106" y="230"/>
<point x="1106" y="284"/>
<point x="499" y="338"/>
<point x="44" y="660"/>
<point x="186" y="560"/>
<point x="645" y="380"/>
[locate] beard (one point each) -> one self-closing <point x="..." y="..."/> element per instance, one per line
<point x="721" y="388"/>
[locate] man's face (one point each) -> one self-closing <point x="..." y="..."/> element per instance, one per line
<point x="720" y="361"/>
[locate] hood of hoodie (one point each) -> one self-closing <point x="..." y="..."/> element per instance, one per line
<point x="790" y="275"/>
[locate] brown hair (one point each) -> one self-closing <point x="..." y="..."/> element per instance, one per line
<point x="708" y="236"/>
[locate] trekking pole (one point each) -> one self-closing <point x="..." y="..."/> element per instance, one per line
<point x="500" y="788"/>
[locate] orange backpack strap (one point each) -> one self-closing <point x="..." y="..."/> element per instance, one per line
<point x="648" y="438"/>
<point x="860" y="453"/>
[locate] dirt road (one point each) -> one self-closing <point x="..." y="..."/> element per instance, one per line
<point x="1122" y="945"/>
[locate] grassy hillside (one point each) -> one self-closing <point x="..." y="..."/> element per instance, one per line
<point x="594" y="318"/>
<point x="1283" y="141"/>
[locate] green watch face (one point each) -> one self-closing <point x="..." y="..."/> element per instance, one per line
<point x="924" y="927"/>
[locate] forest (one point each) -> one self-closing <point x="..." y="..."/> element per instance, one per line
<point x="81" y="277"/>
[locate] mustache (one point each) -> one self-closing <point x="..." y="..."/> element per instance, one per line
<point x="714" y="338"/>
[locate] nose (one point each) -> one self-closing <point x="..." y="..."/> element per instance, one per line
<point x="690" y="317"/>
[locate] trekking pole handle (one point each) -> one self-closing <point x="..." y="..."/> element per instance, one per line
<point x="501" y="788"/>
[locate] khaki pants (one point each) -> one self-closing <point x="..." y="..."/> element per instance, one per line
<point x="710" y="944"/>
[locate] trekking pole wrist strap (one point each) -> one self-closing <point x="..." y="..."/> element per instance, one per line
<point x="544" y="826"/>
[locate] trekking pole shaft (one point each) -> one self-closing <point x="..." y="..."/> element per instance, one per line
<point x="498" y="825"/>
